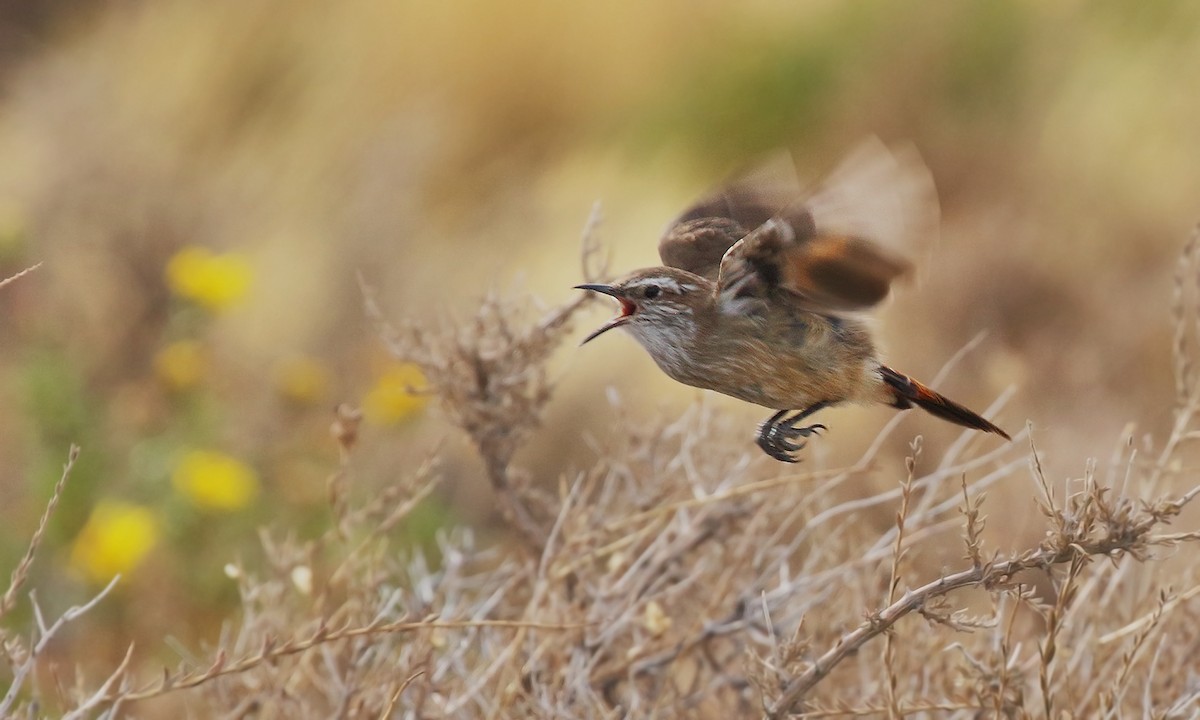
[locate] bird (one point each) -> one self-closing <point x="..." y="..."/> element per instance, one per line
<point x="764" y="289"/>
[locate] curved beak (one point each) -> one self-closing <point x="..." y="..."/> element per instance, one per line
<point x="625" y="314"/>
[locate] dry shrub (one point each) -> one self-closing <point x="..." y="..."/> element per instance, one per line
<point x="683" y="576"/>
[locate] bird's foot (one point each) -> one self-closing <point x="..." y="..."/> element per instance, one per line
<point x="777" y="437"/>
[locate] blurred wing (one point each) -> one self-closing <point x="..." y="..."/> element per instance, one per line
<point x="882" y="195"/>
<point x="841" y="249"/>
<point x="698" y="239"/>
<point x="825" y="272"/>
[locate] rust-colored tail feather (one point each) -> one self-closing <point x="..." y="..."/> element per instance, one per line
<point x="909" y="392"/>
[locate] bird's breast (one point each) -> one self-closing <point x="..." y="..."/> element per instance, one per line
<point x="788" y="362"/>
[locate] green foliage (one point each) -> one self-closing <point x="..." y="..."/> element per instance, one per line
<point x="61" y="411"/>
<point x="985" y="69"/>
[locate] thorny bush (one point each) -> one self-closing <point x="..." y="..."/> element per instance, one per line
<point x="681" y="576"/>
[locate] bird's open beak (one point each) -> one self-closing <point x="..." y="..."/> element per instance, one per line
<point x="625" y="314"/>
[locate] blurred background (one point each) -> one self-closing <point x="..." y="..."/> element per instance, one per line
<point x="204" y="182"/>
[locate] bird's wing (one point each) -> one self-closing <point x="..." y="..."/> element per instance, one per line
<point x="882" y="194"/>
<point x="698" y="239"/>
<point x="840" y="249"/>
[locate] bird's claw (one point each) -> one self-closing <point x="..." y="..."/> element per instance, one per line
<point x="776" y="439"/>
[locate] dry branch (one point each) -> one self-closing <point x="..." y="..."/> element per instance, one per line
<point x="1075" y="547"/>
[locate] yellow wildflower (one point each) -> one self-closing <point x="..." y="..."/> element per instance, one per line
<point x="181" y="365"/>
<point x="214" y="281"/>
<point x="656" y="619"/>
<point x="115" y="539"/>
<point x="215" y="481"/>
<point x="397" y="394"/>
<point x="303" y="380"/>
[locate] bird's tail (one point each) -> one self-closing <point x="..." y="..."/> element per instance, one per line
<point x="909" y="392"/>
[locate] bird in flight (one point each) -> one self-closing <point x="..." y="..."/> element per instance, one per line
<point x="763" y="289"/>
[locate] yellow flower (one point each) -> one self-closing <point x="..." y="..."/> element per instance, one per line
<point x="216" y="282"/>
<point x="303" y="380"/>
<point x="181" y="365"/>
<point x="396" y="395"/>
<point x="215" y="481"/>
<point x="656" y="619"/>
<point x="115" y="539"/>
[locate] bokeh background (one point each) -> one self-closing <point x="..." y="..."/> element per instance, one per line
<point x="206" y="181"/>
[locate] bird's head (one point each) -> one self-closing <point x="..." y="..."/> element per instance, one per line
<point x="655" y="304"/>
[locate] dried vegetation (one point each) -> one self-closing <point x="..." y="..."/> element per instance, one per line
<point x="683" y="576"/>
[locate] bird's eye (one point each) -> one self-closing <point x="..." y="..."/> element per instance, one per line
<point x="651" y="292"/>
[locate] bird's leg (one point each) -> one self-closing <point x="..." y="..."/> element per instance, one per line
<point x="776" y="435"/>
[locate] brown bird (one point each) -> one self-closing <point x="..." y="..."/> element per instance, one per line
<point x="762" y="289"/>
